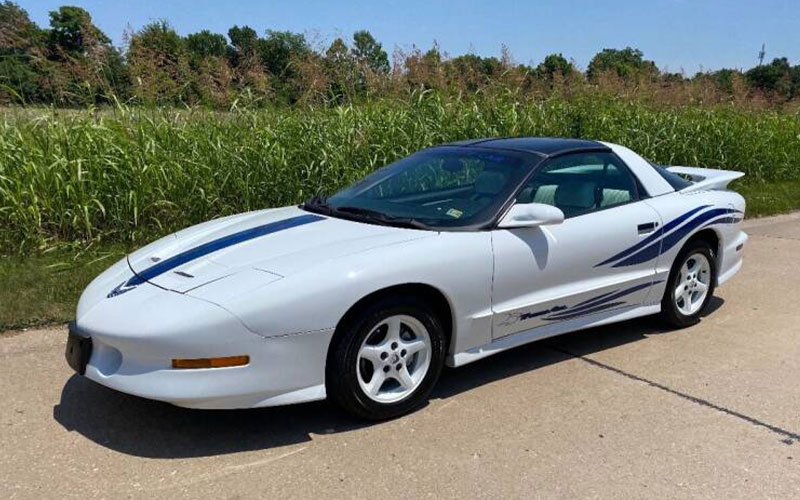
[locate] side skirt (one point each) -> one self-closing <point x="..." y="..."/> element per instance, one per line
<point x="546" y="331"/>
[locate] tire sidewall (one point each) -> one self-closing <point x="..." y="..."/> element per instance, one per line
<point x="668" y="306"/>
<point x="342" y="375"/>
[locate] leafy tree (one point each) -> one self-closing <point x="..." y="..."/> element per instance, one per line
<point x="341" y="71"/>
<point x="673" y="77"/>
<point x="158" y="62"/>
<point x="627" y="63"/>
<point x="484" y="66"/>
<point x="74" y="63"/>
<point x="18" y="34"/>
<point x="278" y="48"/>
<point x="72" y="31"/>
<point x="473" y="71"/>
<point x="22" y="54"/>
<point x="368" y="51"/>
<point x="248" y="73"/>
<point x="206" y="44"/>
<point x="777" y="77"/>
<point x="432" y="57"/>
<point x="722" y="78"/>
<point x="338" y="52"/>
<point x="278" y="52"/>
<point x="554" y="64"/>
<point x="244" y="41"/>
<point x="425" y="70"/>
<point x="211" y="74"/>
<point x="86" y="68"/>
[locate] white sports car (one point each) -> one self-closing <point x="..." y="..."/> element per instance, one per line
<point x="452" y="254"/>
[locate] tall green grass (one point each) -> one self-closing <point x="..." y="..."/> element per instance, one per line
<point x="128" y="174"/>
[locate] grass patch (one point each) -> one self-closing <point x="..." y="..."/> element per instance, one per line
<point x="770" y="198"/>
<point x="44" y="288"/>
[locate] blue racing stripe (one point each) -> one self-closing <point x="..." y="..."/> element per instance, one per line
<point x="724" y="220"/>
<point x="594" y="298"/>
<point x="671" y="239"/>
<point x="586" y="312"/>
<point x="592" y="305"/>
<point x="212" y="246"/>
<point x="664" y="229"/>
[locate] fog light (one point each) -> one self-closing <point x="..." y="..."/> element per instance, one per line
<point x="211" y="362"/>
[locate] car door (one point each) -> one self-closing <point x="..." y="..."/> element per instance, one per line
<point x="549" y="274"/>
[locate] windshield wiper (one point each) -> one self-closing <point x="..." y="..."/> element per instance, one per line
<point x="383" y="218"/>
<point x="320" y="204"/>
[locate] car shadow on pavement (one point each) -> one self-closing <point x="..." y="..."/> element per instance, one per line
<point x="553" y="350"/>
<point x="152" y="429"/>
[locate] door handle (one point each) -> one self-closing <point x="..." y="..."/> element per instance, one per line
<point x="647" y="227"/>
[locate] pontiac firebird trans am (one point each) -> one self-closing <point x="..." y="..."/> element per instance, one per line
<point x="447" y="256"/>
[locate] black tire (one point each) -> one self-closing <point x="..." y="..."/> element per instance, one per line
<point x="341" y="377"/>
<point x="669" y="309"/>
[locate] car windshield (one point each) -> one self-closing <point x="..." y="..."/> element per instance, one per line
<point x="444" y="187"/>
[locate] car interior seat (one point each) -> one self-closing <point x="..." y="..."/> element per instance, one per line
<point x="575" y="196"/>
<point x="614" y="197"/>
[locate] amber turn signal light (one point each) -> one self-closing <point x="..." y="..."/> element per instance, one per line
<point x="211" y="362"/>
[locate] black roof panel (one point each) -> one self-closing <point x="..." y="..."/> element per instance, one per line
<point x="542" y="145"/>
<point x="469" y="142"/>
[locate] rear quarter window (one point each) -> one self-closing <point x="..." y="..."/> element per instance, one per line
<point x="676" y="181"/>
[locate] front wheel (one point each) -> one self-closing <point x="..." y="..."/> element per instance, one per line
<point x="385" y="361"/>
<point x="690" y="285"/>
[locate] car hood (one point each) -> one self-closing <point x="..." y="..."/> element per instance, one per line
<point x="274" y="243"/>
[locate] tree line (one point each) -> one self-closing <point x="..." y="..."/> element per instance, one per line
<point x="72" y="63"/>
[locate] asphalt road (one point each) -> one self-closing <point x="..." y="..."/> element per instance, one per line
<point x="624" y="411"/>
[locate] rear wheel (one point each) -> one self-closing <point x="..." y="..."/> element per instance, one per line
<point x="385" y="361"/>
<point x="690" y="285"/>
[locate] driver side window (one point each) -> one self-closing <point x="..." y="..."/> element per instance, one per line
<point x="581" y="183"/>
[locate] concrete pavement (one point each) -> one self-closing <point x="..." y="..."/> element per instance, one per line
<point x="624" y="411"/>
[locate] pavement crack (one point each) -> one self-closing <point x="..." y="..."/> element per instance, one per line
<point x="789" y="437"/>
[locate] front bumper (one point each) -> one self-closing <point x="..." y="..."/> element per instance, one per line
<point x="135" y="336"/>
<point x="282" y="370"/>
<point x="79" y="350"/>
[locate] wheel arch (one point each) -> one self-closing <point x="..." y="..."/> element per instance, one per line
<point x="438" y="300"/>
<point x="714" y="240"/>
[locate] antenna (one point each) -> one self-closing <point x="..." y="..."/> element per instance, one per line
<point x="762" y="53"/>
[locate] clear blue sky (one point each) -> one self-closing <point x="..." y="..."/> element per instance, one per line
<point x="676" y="34"/>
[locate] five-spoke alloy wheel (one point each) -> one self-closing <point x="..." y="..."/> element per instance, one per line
<point x="385" y="359"/>
<point x="690" y="286"/>
<point x="693" y="284"/>
<point x="394" y="359"/>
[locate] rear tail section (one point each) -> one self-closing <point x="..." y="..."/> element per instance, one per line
<point x="706" y="179"/>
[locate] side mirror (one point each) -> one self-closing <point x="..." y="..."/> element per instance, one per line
<point x="531" y="215"/>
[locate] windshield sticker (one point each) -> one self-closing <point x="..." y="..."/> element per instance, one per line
<point x="454" y="213"/>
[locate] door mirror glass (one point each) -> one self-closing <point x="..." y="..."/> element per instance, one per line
<point x="531" y="215"/>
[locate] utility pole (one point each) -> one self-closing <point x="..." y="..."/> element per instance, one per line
<point x="762" y="53"/>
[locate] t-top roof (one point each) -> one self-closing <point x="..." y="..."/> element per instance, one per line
<point x="541" y="145"/>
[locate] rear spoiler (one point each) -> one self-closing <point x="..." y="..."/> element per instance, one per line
<point x="706" y="179"/>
